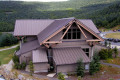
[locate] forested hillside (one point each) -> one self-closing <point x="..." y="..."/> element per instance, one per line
<point x="104" y="13"/>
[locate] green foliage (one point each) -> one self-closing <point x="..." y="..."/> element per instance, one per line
<point x="15" y="59"/>
<point x="7" y="40"/>
<point x="94" y="64"/>
<point x="79" y="78"/>
<point x="17" y="65"/>
<point x="61" y="76"/>
<point x="80" y="68"/>
<point x="105" y="53"/>
<point x="31" y="67"/>
<point x="115" y="51"/>
<point x="17" y="48"/>
<point x="23" y="65"/>
<point x="104" y="13"/>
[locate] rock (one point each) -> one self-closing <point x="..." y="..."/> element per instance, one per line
<point x="20" y="76"/>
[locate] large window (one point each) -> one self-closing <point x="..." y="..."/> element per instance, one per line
<point x="86" y="50"/>
<point x="72" y="33"/>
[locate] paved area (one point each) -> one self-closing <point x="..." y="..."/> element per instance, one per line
<point x="102" y="34"/>
<point x="40" y="76"/>
<point x="9" y="48"/>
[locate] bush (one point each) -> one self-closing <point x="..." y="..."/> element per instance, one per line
<point x="31" y="67"/>
<point x="23" y="65"/>
<point x="61" y="76"/>
<point x="15" y="59"/>
<point x="80" y="68"/>
<point x="19" y="66"/>
<point x="105" y="53"/>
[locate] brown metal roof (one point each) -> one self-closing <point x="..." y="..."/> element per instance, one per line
<point x="56" y="25"/>
<point x="39" y="55"/>
<point x="89" y="23"/>
<point x="63" y="56"/>
<point x="30" y="27"/>
<point x="29" y="46"/>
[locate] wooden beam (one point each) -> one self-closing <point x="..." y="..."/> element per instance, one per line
<point x="55" y="33"/>
<point x="92" y="40"/>
<point x="46" y="45"/>
<point x="78" y="22"/>
<point x="82" y="31"/>
<point x="52" y="42"/>
<point x="65" y="31"/>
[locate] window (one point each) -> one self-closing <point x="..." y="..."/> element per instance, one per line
<point x="86" y="66"/>
<point x="86" y="50"/>
<point x="72" y="33"/>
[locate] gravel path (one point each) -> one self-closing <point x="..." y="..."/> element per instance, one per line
<point x="9" y="48"/>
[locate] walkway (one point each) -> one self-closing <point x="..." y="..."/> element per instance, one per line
<point x="9" y="48"/>
<point x="113" y="65"/>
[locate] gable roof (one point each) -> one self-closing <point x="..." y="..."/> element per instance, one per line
<point x="31" y="26"/>
<point x="63" y="56"/>
<point x="44" y="28"/>
<point x="55" y="26"/>
<point x="89" y="23"/>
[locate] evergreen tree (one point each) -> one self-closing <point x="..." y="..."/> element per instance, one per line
<point x="95" y="64"/>
<point x="31" y="67"/>
<point x="80" y="68"/>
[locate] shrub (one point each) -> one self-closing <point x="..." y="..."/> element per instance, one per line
<point x="23" y="65"/>
<point x="61" y="76"/>
<point x="31" y="67"/>
<point x="15" y="59"/>
<point x="80" y="68"/>
<point x="105" y="53"/>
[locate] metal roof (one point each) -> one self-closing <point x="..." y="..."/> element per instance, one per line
<point x="63" y="56"/>
<point x="29" y="46"/>
<point x="39" y="55"/>
<point x="89" y="23"/>
<point x="30" y="27"/>
<point x="56" y="25"/>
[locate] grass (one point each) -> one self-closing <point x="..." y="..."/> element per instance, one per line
<point x="6" y="55"/>
<point x="8" y="46"/>
<point x="113" y="35"/>
<point x="113" y="61"/>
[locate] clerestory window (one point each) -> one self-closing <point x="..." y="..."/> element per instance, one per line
<point x="72" y="33"/>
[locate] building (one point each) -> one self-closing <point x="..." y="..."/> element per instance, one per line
<point x="59" y="43"/>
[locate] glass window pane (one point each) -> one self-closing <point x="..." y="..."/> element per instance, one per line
<point x="65" y="37"/>
<point x="74" y="35"/>
<point x="69" y="35"/>
<point x="69" y="30"/>
<point x="87" y="49"/>
<point x="78" y="35"/>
